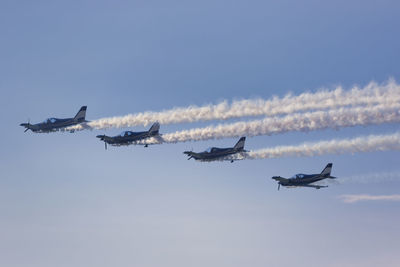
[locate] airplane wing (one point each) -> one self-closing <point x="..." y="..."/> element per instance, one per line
<point x="152" y="140"/>
<point x="231" y="158"/>
<point x="314" y="186"/>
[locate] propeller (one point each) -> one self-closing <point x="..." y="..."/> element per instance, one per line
<point x="26" y="125"/>
<point x="103" y="138"/>
<point x="279" y="185"/>
<point x="188" y="153"/>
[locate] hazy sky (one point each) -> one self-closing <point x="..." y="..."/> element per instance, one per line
<point x="65" y="201"/>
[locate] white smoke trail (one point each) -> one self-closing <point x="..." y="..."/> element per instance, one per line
<point x="360" y="144"/>
<point x="371" y="178"/>
<point x="366" y="178"/>
<point x="317" y="120"/>
<point x="357" y="198"/>
<point x="371" y="94"/>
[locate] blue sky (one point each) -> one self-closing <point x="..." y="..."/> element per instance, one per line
<point x="65" y="201"/>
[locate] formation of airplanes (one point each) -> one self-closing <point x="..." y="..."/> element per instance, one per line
<point x="211" y="154"/>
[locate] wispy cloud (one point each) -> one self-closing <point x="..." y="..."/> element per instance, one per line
<point x="357" y="198"/>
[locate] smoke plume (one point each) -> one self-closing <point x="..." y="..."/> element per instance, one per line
<point x="372" y="94"/>
<point x="356" y="145"/>
<point x="371" y="178"/>
<point x="317" y="120"/>
<point x="358" y="198"/>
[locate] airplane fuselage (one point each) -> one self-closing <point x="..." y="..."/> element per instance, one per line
<point x="51" y="125"/>
<point x="214" y="154"/>
<point x="305" y="180"/>
<point x="126" y="139"/>
<point x="54" y="124"/>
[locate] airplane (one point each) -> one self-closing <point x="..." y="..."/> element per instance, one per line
<point x="215" y="153"/>
<point x="54" y="124"/>
<point x="127" y="137"/>
<point x="305" y="180"/>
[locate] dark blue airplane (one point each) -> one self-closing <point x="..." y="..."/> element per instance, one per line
<point x="305" y="180"/>
<point x="54" y="124"/>
<point x="215" y="153"/>
<point x="127" y="138"/>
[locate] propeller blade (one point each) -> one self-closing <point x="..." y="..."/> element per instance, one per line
<point x="105" y="145"/>
<point x="279" y="185"/>
<point x="26" y="125"/>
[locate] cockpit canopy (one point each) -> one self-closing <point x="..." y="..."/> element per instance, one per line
<point x="50" y="120"/>
<point x="211" y="149"/>
<point x="298" y="176"/>
<point x="126" y="133"/>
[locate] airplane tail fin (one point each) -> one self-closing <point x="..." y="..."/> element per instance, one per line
<point x="327" y="171"/>
<point x="154" y="129"/>
<point x="80" y="116"/>
<point x="240" y="144"/>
